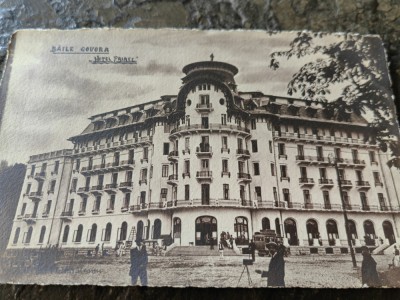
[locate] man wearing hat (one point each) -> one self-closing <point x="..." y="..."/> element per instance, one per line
<point x="139" y="260"/>
<point x="276" y="268"/>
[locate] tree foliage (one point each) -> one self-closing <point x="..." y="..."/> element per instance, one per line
<point x="356" y="64"/>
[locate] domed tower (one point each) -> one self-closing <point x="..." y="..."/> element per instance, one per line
<point x="209" y="157"/>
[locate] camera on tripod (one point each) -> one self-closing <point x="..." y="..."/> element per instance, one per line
<point x="247" y="262"/>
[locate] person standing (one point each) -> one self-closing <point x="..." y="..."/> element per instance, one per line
<point x="96" y="250"/>
<point x="276" y="268"/>
<point x="211" y="243"/>
<point x="252" y="250"/>
<point x="369" y="275"/>
<point x="221" y="249"/>
<point x="139" y="261"/>
<point x="396" y="257"/>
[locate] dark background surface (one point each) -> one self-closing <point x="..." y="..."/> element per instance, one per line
<point x="362" y="16"/>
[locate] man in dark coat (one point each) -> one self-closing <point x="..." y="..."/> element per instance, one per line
<point x="276" y="268"/>
<point x="252" y="250"/>
<point x="139" y="261"/>
<point x="369" y="275"/>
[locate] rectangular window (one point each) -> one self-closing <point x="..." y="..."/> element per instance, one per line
<point x="342" y="174"/>
<point x="372" y="157"/>
<point x="258" y="193"/>
<point x="78" y="164"/>
<point x="223" y="119"/>
<point x="28" y="188"/>
<point x="33" y="167"/>
<point x="303" y="172"/>
<point x="145" y="153"/>
<point x="52" y="186"/>
<point x="131" y="156"/>
<point x="382" y="202"/>
<point x="377" y="178"/>
<point x="338" y="153"/>
<point x="300" y="151"/>
<point x="187" y="192"/>
<point x="270" y="146"/>
<point x="127" y="200"/>
<point x="254" y="146"/>
<point x="44" y="167"/>
<point x="116" y="159"/>
<point x="286" y="195"/>
<point x="205" y="99"/>
<point x="284" y="174"/>
<point x="224" y="142"/>
<point x="226" y="191"/>
<point x="322" y="173"/>
<point x="307" y="197"/>
<point x="187" y="167"/>
<point x="187" y="143"/>
<point x="256" y="168"/>
<point x="354" y="153"/>
<point x="327" y="201"/>
<point x="281" y="150"/>
<point x="90" y="164"/>
<point x="272" y="169"/>
<point x="225" y="166"/>
<point x="164" y="193"/>
<point x="166" y="149"/>
<point x="164" y="171"/>
<point x="56" y="166"/>
<point x="23" y="209"/>
<point x="275" y="194"/>
<point x="205" y="164"/>
<point x="320" y="153"/>
<point x="97" y="203"/>
<point x="253" y="124"/>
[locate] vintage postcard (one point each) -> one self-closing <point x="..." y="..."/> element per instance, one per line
<point x="198" y="158"/>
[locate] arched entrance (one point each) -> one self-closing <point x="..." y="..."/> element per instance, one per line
<point x="206" y="227"/>
<point x="388" y="231"/>
<point x="312" y="231"/>
<point x="241" y="229"/>
<point x="291" y="232"/>
<point x="139" y="233"/>
<point x="265" y="224"/>
<point x="370" y="235"/>
<point x="123" y="232"/>
<point x="157" y="229"/>
<point x="352" y="231"/>
<point x="332" y="230"/>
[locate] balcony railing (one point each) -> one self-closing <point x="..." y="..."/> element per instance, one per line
<point x="306" y="181"/>
<point x="95" y="211"/>
<point x="125" y="186"/>
<point x="363" y="184"/>
<point x="67" y="214"/>
<point x="218" y="127"/>
<point x="314" y="137"/>
<point x="96" y="188"/>
<point x="40" y="175"/>
<point x="83" y="190"/>
<point x="325" y="181"/>
<point x="143" y="181"/>
<point x="244" y="176"/>
<point x="173" y="177"/>
<point x="225" y="149"/>
<point x="243" y="153"/>
<point x="35" y="195"/>
<point x="173" y="155"/>
<point x="204" y="174"/>
<point x="345" y="183"/>
<point x="204" y="107"/>
<point x="204" y="149"/>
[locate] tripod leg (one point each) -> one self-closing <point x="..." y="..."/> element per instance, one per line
<point x="240" y="278"/>
<point x="248" y="277"/>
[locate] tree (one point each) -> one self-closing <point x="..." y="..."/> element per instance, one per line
<point x="357" y="65"/>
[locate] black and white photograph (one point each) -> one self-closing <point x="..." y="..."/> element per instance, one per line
<point x="189" y="158"/>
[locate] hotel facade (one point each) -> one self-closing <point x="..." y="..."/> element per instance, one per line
<point x="208" y="160"/>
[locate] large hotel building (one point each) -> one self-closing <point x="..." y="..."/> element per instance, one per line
<point x="207" y="160"/>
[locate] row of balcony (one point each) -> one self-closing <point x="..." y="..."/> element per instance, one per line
<point x="318" y="138"/>
<point x="206" y="175"/>
<point x="326" y="206"/>
<point x="205" y="150"/>
<point x="108" y="167"/>
<point x="118" y="145"/>
<point x="210" y="127"/>
<point x="323" y="182"/>
<point x="320" y="160"/>
<point x="110" y="188"/>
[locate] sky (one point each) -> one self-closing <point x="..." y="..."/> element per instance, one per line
<point x="49" y="97"/>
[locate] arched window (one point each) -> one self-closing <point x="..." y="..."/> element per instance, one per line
<point x="157" y="229"/>
<point x="42" y="233"/>
<point x="369" y="230"/>
<point x="139" y="233"/>
<point x="333" y="234"/>
<point x="65" y="235"/>
<point x="312" y="231"/>
<point x="242" y="231"/>
<point x="78" y="237"/>
<point x="107" y="233"/>
<point x="388" y="231"/>
<point x="352" y="230"/>
<point x="265" y="224"/>
<point x="177" y="227"/>
<point x="278" y="227"/>
<point x="93" y="232"/>
<point x="16" y="235"/>
<point x="124" y="231"/>
<point x="148" y="230"/>
<point x="29" y="235"/>
<point x="291" y="231"/>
